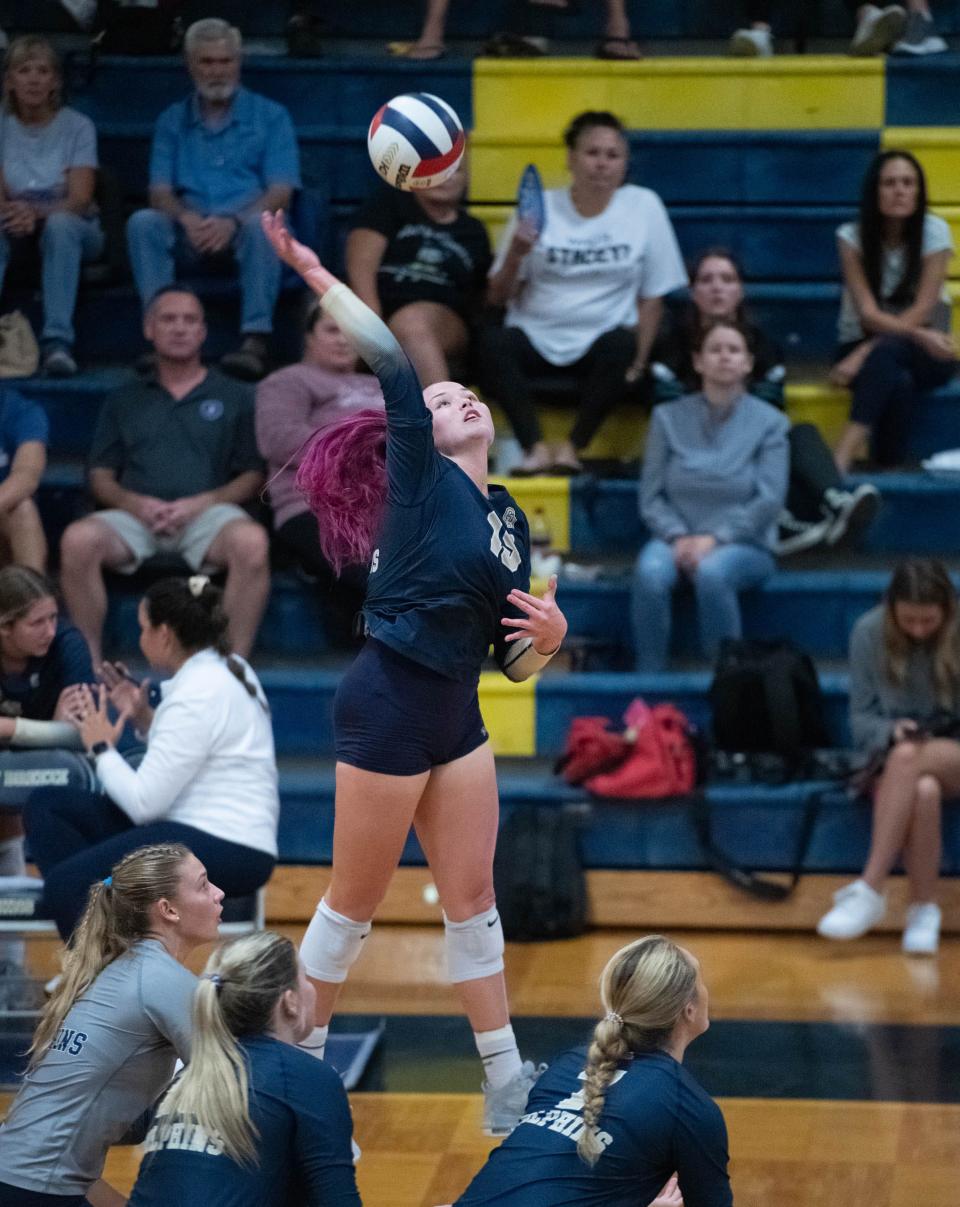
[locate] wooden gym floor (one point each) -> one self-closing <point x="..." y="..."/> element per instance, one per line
<point x="837" y="1066"/>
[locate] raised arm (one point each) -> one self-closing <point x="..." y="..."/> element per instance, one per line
<point x="367" y="333"/>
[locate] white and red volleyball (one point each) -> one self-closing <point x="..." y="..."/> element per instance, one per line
<point x="415" y="141"/>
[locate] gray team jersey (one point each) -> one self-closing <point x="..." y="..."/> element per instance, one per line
<point x="111" y="1060"/>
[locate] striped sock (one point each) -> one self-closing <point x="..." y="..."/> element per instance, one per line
<point x="500" y="1055"/>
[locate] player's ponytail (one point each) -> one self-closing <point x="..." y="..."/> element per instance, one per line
<point x="644" y="989"/>
<point x="238" y="992"/>
<point x="343" y="477"/>
<point x="117" y="916"/>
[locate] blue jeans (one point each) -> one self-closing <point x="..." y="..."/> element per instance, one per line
<point x="717" y="582"/>
<point x="65" y="242"/>
<point x="158" y="245"/>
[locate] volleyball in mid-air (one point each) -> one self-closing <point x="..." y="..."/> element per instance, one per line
<point x="415" y="141"/>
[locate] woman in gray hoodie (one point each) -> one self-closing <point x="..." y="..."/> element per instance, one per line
<point x="713" y="484"/>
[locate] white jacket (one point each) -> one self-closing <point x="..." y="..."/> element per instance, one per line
<point x="210" y="759"/>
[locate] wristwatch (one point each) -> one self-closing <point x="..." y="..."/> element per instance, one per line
<point x="99" y="748"/>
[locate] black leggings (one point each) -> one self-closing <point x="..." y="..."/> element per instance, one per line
<point x="813" y="471"/>
<point x="508" y="361"/>
<point x="342" y="598"/>
<point x="885" y="391"/>
<point x="76" y="838"/>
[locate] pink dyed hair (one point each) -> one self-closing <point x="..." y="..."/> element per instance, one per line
<point x="343" y="476"/>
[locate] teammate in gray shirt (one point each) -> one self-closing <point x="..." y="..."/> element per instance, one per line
<point x="106" y="1045"/>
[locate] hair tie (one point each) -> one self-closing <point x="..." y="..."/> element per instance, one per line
<point x="107" y="881"/>
<point x="215" y="979"/>
<point x="612" y="1017"/>
<point x="196" y="584"/>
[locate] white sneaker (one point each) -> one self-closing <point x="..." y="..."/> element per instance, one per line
<point x="752" y="44"/>
<point x="878" y="29"/>
<point x="920" y="37"/>
<point x="503" y="1106"/>
<point x="795" y="536"/>
<point x="856" y="909"/>
<point x="851" y="512"/>
<point x="921" y="935"/>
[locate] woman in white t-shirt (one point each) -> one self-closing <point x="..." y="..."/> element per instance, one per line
<point x="48" y="169"/>
<point x="894" y="327"/>
<point x="584" y="297"/>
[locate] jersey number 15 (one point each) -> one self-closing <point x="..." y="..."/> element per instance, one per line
<point x="503" y="543"/>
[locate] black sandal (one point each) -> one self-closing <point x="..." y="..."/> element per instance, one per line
<point x="605" y="50"/>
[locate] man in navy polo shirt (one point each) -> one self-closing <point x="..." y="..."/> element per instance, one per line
<point x="23" y="458"/>
<point x="173" y="457"/>
<point x="219" y="157"/>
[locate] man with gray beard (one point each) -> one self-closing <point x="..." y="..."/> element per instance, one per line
<point x="219" y="158"/>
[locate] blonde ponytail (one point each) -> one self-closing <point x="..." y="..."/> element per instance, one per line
<point x="117" y="915"/>
<point x="240" y="987"/>
<point x="644" y="989"/>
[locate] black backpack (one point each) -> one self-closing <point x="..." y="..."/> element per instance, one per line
<point x="766" y="699"/>
<point x="538" y="873"/>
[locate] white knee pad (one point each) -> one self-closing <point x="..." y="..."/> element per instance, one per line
<point x="474" y="947"/>
<point x="331" y="944"/>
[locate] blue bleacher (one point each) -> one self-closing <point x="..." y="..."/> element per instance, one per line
<point x="775" y="197"/>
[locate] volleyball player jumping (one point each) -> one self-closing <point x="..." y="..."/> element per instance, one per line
<point x="449" y="575"/>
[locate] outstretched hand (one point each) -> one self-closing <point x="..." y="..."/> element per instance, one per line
<point x="92" y="720"/>
<point x="300" y="257"/>
<point x="543" y="622"/>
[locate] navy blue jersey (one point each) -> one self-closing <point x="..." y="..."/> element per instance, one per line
<point x="447" y="555"/>
<point x="34" y="692"/>
<point x="299" y="1108"/>
<point x="656" y="1121"/>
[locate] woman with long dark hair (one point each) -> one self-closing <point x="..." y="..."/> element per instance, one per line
<point x="904" y="670"/>
<point x="449" y="564"/>
<point x="623" y="1121"/>
<point x="106" y="1044"/>
<point x="894" y="327"/>
<point x="251" y="1121"/>
<point x="209" y="775"/>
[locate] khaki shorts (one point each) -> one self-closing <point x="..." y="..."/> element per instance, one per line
<point x="191" y="542"/>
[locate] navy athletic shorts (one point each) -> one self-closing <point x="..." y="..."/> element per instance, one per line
<point x="394" y="716"/>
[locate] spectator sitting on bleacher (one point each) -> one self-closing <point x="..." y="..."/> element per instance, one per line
<point x="172" y="460"/>
<point x="420" y="262"/>
<point x="904" y="675"/>
<point x="280" y="1132"/>
<point x="890" y="28"/>
<point x="585" y="298"/>
<point x="818" y="509"/>
<point x="43" y="660"/>
<point x="209" y="776"/>
<point x="24" y="430"/>
<point x="48" y="168"/>
<point x="107" y="1041"/>
<point x="713" y="483"/>
<point x="219" y="157"/>
<point x="293" y="404"/>
<point x="894" y="327"/>
<point x="615" y="43"/>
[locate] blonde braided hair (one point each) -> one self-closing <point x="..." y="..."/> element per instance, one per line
<point x="644" y="989"/>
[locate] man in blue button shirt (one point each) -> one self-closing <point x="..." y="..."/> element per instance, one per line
<point x="219" y="158"/>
